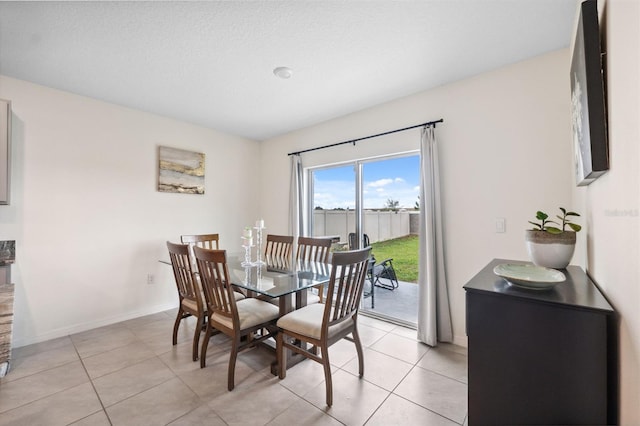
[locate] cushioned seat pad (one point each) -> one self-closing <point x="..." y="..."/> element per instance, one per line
<point x="308" y="321"/>
<point x="250" y="312"/>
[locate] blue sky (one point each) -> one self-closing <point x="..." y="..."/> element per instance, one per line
<point x="396" y="178"/>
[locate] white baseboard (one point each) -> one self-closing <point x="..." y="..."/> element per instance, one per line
<point x="460" y="340"/>
<point x="78" y="328"/>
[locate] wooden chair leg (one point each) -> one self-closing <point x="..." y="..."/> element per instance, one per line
<point x="356" y="340"/>
<point x="196" y="338"/>
<point x="232" y="363"/>
<point x="327" y="374"/>
<point x="205" y="345"/>
<point x="176" y="325"/>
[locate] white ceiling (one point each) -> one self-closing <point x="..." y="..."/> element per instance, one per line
<point x="211" y="63"/>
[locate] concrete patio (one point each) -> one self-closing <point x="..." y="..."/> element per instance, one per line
<point x="399" y="305"/>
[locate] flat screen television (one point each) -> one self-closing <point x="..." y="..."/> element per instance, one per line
<point x="589" y="117"/>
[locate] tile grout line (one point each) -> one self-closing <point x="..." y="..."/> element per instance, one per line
<point x="139" y="340"/>
<point x="430" y="410"/>
<point x="415" y="403"/>
<point x="373" y="384"/>
<point x="413" y="367"/>
<point x="55" y="393"/>
<point x="384" y="333"/>
<point x="439" y="374"/>
<point x="84" y="367"/>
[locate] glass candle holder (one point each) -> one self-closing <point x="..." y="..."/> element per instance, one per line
<point x="247" y="243"/>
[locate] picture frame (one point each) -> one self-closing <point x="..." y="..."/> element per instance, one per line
<point x="589" y="120"/>
<point x="180" y="171"/>
<point x="5" y="151"/>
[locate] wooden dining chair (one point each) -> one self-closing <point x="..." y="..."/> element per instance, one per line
<point x="190" y="296"/>
<point x="278" y="253"/>
<point x="208" y="241"/>
<point x="314" y="250"/>
<point x="322" y="325"/>
<point x="278" y="246"/>
<point x="236" y="319"/>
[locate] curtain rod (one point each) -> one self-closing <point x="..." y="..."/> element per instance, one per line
<point x="353" y="141"/>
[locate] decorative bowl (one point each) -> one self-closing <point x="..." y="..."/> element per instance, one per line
<point x="529" y="276"/>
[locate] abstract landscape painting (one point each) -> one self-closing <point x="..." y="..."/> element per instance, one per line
<point x="180" y="171"/>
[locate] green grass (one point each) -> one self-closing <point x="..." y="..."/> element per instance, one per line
<point x="404" y="252"/>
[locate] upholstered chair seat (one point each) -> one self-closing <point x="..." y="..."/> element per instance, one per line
<point x="307" y="321"/>
<point x="251" y="312"/>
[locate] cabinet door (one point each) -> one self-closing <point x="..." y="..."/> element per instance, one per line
<point x="535" y="363"/>
<point x="5" y="140"/>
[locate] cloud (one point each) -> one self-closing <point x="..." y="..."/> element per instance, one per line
<point x="380" y="182"/>
<point x="334" y="194"/>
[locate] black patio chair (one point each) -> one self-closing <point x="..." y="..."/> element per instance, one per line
<point x="378" y="271"/>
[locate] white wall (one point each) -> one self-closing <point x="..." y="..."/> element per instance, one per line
<point x="88" y="221"/>
<point x="505" y="148"/>
<point x="612" y="201"/>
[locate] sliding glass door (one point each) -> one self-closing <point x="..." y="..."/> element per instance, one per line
<point x="377" y="200"/>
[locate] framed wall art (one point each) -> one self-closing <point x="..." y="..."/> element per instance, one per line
<point x="589" y="119"/>
<point x="180" y="171"/>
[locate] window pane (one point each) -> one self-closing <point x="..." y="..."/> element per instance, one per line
<point x="334" y="201"/>
<point x="396" y="180"/>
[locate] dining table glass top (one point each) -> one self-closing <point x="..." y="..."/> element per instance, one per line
<point x="277" y="276"/>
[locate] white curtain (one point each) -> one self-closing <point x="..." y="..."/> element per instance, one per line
<point x="295" y="198"/>
<point x="434" y="316"/>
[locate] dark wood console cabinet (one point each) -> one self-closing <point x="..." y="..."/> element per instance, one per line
<point x="540" y="357"/>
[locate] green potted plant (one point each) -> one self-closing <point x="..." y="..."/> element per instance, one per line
<point x="552" y="246"/>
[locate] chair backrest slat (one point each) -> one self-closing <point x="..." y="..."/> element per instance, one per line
<point x="183" y="272"/>
<point x="278" y="246"/>
<point x="208" y="241"/>
<point x="346" y="284"/>
<point x="214" y="274"/>
<point x="313" y="249"/>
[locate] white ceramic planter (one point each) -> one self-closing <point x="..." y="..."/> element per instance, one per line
<point x="549" y="250"/>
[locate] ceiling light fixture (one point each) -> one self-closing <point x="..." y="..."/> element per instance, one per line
<point x="283" y="72"/>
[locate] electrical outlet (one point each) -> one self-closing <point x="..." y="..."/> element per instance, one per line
<point x="501" y="225"/>
<point x="151" y="279"/>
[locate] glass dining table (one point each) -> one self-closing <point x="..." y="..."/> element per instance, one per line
<point x="280" y="278"/>
<point x="277" y="278"/>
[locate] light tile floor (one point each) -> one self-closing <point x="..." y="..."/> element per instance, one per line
<point x="130" y="374"/>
